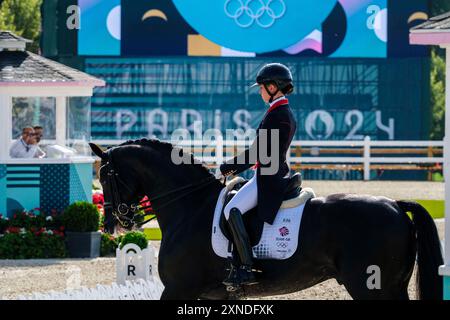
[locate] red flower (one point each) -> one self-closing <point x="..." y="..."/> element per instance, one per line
<point x="15" y="216"/>
<point x="61" y="228"/>
<point x="98" y="198"/>
<point x="13" y="230"/>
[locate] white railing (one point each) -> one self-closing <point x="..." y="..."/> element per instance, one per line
<point x="366" y="159"/>
<point x="131" y="290"/>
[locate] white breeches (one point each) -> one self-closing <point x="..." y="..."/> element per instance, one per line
<point x="245" y="199"/>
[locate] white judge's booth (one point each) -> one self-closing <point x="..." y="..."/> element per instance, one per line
<point x="35" y="91"/>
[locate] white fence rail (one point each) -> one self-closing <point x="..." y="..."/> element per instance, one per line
<point x="131" y="290"/>
<point x="217" y="149"/>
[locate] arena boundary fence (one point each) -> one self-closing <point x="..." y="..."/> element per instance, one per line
<point x="364" y="155"/>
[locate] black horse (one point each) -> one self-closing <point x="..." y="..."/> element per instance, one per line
<point x="342" y="236"/>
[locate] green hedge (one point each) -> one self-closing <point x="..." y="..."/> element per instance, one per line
<point x="109" y="245"/>
<point x="81" y="216"/>
<point x="135" y="237"/>
<point x="29" y="245"/>
<point x="32" y="235"/>
<point x="36" y="235"/>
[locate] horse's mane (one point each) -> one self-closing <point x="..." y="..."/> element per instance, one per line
<point x="166" y="147"/>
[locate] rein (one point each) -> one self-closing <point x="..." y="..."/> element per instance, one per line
<point x="192" y="186"/>
<point x="120" y="209"/>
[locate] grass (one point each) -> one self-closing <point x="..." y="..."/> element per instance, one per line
<point x="434" y="207"/>
<point x="152" y="233"/>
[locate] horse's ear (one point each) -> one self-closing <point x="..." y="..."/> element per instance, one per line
<point x="98" y="151"/>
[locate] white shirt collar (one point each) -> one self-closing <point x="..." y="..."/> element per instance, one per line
<point x="276" y="100"/>
<point x="23" y="142"/>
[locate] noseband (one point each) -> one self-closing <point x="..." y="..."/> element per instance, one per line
<point x="120" y="209"/>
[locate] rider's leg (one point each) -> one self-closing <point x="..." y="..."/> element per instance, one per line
<point x="244" y="200"/>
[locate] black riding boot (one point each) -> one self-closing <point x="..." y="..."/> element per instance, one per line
<point x="240" y="275"/>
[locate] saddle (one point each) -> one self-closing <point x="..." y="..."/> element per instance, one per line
<point x="253" y="224"/>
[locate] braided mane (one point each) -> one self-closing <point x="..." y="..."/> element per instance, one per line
<point x="166" y="147"/>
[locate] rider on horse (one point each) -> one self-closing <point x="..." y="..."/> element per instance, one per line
<point x="264" y="189"/>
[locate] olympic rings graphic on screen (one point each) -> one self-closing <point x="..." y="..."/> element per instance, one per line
<point x="246" y="9"/>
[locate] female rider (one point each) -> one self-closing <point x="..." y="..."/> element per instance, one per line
<point x="266" y="187"/>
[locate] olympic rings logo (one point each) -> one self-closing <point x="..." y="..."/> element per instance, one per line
<point x="246" y="12"/>
<point x="281" y="245"/>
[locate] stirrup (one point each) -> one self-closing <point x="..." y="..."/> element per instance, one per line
<point x="248" y="275"/>
<point x="232" y="278"/>
<point x="239" y="276"/>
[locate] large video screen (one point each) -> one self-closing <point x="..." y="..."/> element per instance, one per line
<point x="250" y="28"/>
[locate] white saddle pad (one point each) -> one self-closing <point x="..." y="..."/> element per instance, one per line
<point x="278" y="241"/>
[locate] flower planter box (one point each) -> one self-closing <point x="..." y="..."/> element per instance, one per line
<point x="83" y="244"/>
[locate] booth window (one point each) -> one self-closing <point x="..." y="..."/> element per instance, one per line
<point x="79" y="124"/>
<point x="30" y="112"/>
<point x="27" y="114"/>
<point x="65" y="125"/>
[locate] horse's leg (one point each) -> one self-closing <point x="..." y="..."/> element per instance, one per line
<point x="177" y="292"/>
<point x="361" y="292"/>
<point x="361" y="285"/>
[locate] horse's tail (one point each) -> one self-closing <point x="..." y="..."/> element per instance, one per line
<point x="429" y="254"/>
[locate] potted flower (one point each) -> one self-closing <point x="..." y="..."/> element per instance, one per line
<point x="81" y="223"/>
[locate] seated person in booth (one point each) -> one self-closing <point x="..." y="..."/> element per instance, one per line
<point x="39" y="132"/>
<point x="26" y="146"/>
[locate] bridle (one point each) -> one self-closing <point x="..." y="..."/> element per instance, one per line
<point x="121" y="210"/>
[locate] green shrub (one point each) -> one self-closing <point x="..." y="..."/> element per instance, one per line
<point x="81" y="216"/>
<point x="32" y="235"/>
<point x="108" y="245"/>
<point x="28" y="245"/>
<point x="4" y="223"/>
<point x="23" y="219"/>
<point x="135" y="237"/>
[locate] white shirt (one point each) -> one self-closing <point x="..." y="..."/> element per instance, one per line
<point x="276" y="100"/>
<point x="20" y="149"/>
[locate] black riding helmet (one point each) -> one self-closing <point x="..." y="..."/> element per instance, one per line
<point x="278" y="74"/>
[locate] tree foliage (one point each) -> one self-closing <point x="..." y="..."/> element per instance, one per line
<point x="437" y="81"/>
<point x="23" y="17"/>
<point x="437" y="78"/>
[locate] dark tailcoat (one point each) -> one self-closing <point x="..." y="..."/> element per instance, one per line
<point x="271" y="187"/>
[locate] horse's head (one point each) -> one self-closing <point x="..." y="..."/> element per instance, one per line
<point x="145" y="167"/>
<point x="120" y="190"/>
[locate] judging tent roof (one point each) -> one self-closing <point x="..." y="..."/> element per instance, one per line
<point x="22" y="68"/>
<point x="9" y="36"/>
<point x="434" y="31"/>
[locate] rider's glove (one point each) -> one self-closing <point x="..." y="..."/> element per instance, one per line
<point x="226" y="172"/>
